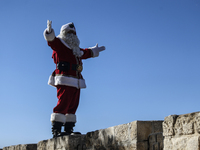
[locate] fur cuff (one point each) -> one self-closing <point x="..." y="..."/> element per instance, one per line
<point x="58" y="117"/>
<point x="49" y="36"/>
<point x="70" y="117"/>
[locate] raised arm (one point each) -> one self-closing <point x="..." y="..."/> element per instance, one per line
<point x="49" y="34"/>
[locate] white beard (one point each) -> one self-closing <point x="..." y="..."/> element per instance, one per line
<point x="73" y="42"/>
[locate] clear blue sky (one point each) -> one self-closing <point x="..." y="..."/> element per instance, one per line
<point x="150" y="68"/>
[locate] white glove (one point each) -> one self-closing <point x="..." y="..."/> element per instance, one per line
<point x="97" y="49"/>
<point x="48" y="33"/>
<point x="49" y="26"/>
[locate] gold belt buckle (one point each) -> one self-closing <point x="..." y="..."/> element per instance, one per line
<point x="79" y="68"/>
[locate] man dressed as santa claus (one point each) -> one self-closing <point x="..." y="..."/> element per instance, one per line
<point x="67" y="78"/>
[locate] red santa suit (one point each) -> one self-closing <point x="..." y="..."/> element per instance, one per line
<point x="67" y="76"/>
<point x="68" y="82"/>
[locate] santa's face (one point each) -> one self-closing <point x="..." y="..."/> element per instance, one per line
<point x="71" y="39"/>
<point x="64" y="32"/>
<point x="71" y="31"/>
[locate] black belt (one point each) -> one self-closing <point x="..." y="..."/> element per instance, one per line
<point x="65" y="66"/>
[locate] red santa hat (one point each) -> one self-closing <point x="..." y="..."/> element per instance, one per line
<point x="68" y="27"/>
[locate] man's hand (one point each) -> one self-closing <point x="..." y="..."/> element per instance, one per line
<point x="48" y="33"/>
<point x="96" y="49"/>
<point x="49" y="26"/>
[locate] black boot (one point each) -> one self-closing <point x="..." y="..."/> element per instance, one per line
<point x="69" y="128"/>
<point x="56" y="128"/>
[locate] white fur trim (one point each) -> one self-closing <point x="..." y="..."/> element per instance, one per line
<point x="64" y="80"/>
<point x="68" y="45"/>
<point x="49" y="36"/>
<point x="58" y="117"/>
<point x="70" y="117"/>
<point x="63" y="42"/>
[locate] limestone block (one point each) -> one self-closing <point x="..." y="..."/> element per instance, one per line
<point x="125" y="136"/>
<point x="137" y="135"/>
<point x="168" y="145"/>
<point x="22" y="147"/>
<point x="184" y="125"/>
<point x="101" y="139"/>
<point x="177" y="125"/>
<point x="168" y="125"/>
<point x="130" y="136"/>
<point x="182" y="132"/>
<point x="113" y="138"/>
<point x="121" y="133"/>
<point x="182" y="143"/>
<point x="145" y="128"/>
<point x="197" y="123"/>
<point x="155" y="141"/>
<point x="70" y="142"/>
<point x="148" y="130"/>
<point x="133" y="130"/>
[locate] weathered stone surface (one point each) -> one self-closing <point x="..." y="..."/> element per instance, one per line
<point x="137" y="135"/>
<point x="156" y="141"/>
<point x="182" y="132"/>
<point x="22" y="147"/>
<point x="130" y="136"/>
<point x="197" y="123"/>
<point x="70" y="142"/>
<point x="149" y="134"/>
<point x="184" y="125"/>
<point x="168" y="125"/>
<point x="182" y="143"/>
<point x="101" y="139"/>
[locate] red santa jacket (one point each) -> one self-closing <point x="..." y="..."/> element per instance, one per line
<point x="62" y="53"/>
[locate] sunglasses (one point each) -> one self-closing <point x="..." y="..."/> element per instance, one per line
<point x="71" y="25"/>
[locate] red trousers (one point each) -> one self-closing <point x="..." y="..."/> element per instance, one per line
<point x="68" y="99"/>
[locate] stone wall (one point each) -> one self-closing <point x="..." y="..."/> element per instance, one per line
<point x="131" y="136"/>
<point x="182" y="132"/>
<point x="137" y="135"/>
<point x="70" y="142"/>
<point x="22" y="147"/>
